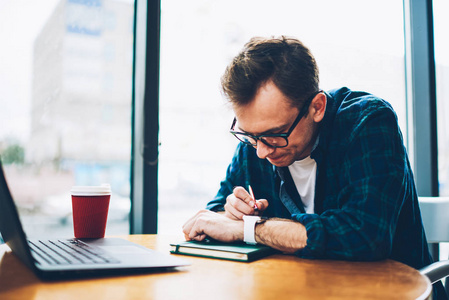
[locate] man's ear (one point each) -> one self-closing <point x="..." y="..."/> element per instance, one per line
<point x="318" y="107"/>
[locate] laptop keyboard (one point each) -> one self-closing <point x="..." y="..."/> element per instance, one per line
<point x="68" y="252"/>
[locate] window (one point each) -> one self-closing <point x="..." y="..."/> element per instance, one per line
<point x="441" y="24"/>
<point x="66" y="82"/>
<point x="78" y="53"/>
<point x="357" y="44"/>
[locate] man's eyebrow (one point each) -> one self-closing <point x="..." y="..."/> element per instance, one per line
<point x="269" y="131"/>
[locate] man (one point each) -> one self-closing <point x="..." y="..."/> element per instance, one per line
<point x="329" y="169"/>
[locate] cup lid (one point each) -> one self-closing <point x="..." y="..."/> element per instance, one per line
<point x="104" y="189"/>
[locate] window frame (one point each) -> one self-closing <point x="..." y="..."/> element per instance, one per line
<point x="421" y="95"/>
<point x="145" y="118"/>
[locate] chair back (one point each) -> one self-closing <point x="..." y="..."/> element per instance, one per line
<point x="435" y="217"/>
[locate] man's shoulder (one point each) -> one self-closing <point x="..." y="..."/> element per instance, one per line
<point x="350" y="109"/>
<point x="357" y="103"/>
<point x="350" y="112"/>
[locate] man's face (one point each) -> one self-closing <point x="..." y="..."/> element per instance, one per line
<point x="270" y="112"/>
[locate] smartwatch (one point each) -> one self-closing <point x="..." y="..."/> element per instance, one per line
<point x="249" y="228"/>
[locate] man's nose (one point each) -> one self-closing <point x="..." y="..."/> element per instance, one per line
<point x="263" y="150"/>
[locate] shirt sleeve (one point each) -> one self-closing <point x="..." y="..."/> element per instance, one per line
<point x="374" y="180"/>
<point x="246" y="168"/>
<point x="236" y="175"/>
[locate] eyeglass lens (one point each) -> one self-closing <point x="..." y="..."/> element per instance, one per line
<point x="274" y="141"/>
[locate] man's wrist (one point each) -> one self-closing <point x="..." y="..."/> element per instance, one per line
<point x="282" y="234"/>
<point x="249" y="228"/>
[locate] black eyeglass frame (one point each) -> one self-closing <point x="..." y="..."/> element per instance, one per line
<point x="301" y="114"/>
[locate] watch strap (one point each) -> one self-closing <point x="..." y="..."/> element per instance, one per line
<point x="249" y="226"/>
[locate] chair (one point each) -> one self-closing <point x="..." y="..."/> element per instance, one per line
<point x="435" y="217"/>
<point x="436" y="271"/>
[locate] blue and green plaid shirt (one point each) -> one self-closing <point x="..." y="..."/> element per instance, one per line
<point x="366" y="205"/>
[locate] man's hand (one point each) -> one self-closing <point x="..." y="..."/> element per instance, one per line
<point x="240" y="203"/>
<point x="282" y="234"/>
<point x="206" y="223"/>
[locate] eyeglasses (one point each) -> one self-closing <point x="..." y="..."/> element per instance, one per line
<point x="275" y="140"/>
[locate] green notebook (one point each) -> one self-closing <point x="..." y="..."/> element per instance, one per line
<point x="230" y="251"/>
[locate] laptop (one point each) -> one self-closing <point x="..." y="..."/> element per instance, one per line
<point x="71" y="257"/>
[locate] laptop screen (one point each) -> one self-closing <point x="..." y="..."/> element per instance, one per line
<point x="10" y="225"/>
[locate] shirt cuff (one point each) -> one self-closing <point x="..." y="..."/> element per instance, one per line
<point x="316" y="236"/>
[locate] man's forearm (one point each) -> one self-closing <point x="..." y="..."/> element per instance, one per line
<point x="282" y="234"/>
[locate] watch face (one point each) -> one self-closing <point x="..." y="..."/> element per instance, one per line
<point x="262" y="220"/>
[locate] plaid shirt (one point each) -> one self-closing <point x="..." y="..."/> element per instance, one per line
<point x="366" y="205"/>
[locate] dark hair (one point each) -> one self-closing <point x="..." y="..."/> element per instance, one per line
<point x="284" y="60"/>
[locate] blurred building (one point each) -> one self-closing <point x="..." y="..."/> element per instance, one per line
<point x="82" y="84"/>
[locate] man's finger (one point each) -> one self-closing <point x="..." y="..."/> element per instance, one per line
<point x="187" y="227"/>
<point x="237" y="207"/>
<point x="197" y="232"/>
<point x="262" y="204"/>
<point x="242" y="194"/>
<point x="232" y="213"/>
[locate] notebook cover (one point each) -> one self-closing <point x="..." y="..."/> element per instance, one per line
<point x="230" y="251"/>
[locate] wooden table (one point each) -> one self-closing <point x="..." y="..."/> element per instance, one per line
<point x="275" y="277"/>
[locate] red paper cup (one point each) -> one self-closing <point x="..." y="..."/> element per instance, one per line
<point x="90" y="205"/>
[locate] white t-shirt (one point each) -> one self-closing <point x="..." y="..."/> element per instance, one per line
<point x="304" y="175"/>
